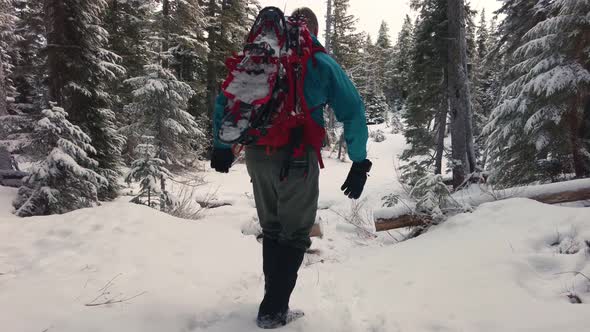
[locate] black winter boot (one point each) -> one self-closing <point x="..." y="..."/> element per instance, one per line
<point x="280" y="266"/>
<point x="270" y="257"/>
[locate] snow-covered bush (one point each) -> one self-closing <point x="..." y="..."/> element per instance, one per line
<point x="396" y="123"/>
<point x="185" y="205"/>
<point x="432" y="196"/>
<point x="151" y="174"/>
<point x="414" y="170"/>
<point x="65" y="180"/>
<point x="377" y="136"/>
<point x="376" y="108"/>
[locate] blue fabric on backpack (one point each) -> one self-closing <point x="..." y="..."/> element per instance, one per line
<point x="325" y="84"/>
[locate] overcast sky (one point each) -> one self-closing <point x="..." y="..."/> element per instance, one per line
<point x="371" y="12"/>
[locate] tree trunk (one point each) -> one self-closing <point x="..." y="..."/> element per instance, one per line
<point x="211" y="61"/>
<point x="163" y="193"/>
<point x="55" y="12"/>
<point x="458" y="90"/>
<point x="340" y="146"/>
<point x="471" y="157"/>
<point x="3" y="101"/>
<point x="441" y="131"/>
<point x="331" y="123"/>
<point x="328" y="36"/>
<point x="166" y="28"/>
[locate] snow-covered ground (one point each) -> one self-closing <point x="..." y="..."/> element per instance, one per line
<point x="506" y="267"/>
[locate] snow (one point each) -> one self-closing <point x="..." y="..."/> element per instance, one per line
<point x="501" y="268"/>
<point x="252" y="87"/>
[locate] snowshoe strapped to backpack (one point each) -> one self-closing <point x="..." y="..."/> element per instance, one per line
<point x="264" y="87"/>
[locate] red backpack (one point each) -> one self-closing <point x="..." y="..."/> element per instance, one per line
<point x="264" y="88"/>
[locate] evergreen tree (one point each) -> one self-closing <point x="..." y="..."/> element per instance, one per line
<point x="75" y="41"/>
<point x="29" y="70"/>
<point x="7" y="58"/>
<point x="538" y="119"/>
<point x="65" y="180"/>
<point x="398" y="67"/>
<point x="367" y="81"/>
<point x="183" y="32"/>
<point x="345" y="41"/>
<point x="485" y="84"/>
<point x="426" y="104"/>
<point x="151" y="173"/>
<point x="187" y="42"/>
<point x="383" y="51"/>
<point x="160" y="103"/>
<point x="482" y="37"/>
<point x="128" y="24"/>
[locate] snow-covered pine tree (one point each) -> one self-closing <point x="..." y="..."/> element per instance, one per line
<point x="480" y="72"/>
<point x="485" y="85"/>
<point x="398" y="68"/>
<point x="538" y="119"/>
<point x="383" y="51"/>
<point x="76" y="40"/>
<point x="65" y="180"/>
<point x="128" y="24"/>
<point x="8" y="38"/>
<point x="160" y="103"/>
<point x="182" y="27"/>
<point x="346" y="43"/>
<point x="150" y="171"/>
<point x="426" y="104"/>
<point x="29" y="70"/>
<point x="367" y="80"/>
<point x="520" y="17"/>
<point x="187" y="39"/>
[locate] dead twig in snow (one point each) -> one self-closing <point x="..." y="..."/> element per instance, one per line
<point x="112" y="301"/>
<point x="104" y="292"/>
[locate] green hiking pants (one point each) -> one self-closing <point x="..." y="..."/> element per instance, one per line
<point x="286" y="209"/>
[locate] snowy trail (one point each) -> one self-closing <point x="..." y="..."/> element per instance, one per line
<point x="498" y="269"/>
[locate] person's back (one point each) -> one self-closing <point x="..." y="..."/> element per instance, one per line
<point x="287" y="205"/>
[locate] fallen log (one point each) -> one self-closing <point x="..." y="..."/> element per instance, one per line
<point x="580" y="194"/>
<point x="10" y="178"/>
<point x="553" y="193"/>
<point x="407" y="220"/>
<point x="212" y="204"/>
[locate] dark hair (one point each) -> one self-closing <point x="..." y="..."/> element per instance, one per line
<point x="310" y="18"/>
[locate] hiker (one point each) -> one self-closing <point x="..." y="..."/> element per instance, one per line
<point x="284" y="164"/>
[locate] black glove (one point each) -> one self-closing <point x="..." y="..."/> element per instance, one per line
<point x="355" y="182"/>
<point x="222" y="159"/>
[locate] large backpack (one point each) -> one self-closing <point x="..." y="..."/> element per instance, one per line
<point x="264" y="87"/>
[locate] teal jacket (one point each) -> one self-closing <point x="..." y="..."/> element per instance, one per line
<point x="325" y="84"/>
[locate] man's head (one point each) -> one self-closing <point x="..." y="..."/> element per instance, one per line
<point x="310" y="18"/>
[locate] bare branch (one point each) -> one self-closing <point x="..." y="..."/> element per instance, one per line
<point x="111" y="301"/>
